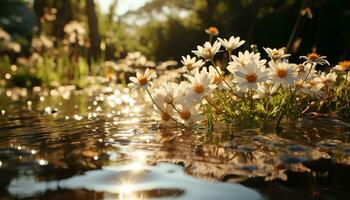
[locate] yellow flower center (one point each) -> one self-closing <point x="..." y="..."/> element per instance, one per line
<point x="212" y="30"/>
<point x="344" y="64"/>
<point x="325" y="81"/>
<point x="143" y="80"/>
<point x="313" y="56"/>
<point x="251" y="78"/>
<point x="185" y="114"/>
<point x="198" y="88"/>
<point x="189" y="66"/>
<point x="208" y="53"/>
<point x="275" y="53"/>
<point x="281" y="73"/>
<point x="165" y="116"/>
<point x="168" y="99"/>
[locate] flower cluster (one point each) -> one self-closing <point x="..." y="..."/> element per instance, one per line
<point x="7" y="44"/>
<point x="42" y="43"/>
<point x="247" y="87"/>
<point x="75" y="32"/>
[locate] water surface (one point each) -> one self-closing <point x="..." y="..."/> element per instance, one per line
<point x="102" y="143"/>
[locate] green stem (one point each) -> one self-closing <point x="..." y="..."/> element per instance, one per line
<point x="223" y="79"/>
<point x="251" y="100"/>
<point x="229" y="56"/>
<point x="176" y="109"/>
<point x="266" y="102"/>
<point x="292" y="97"/>
<point x="215" y="107"/>
<point x="346" y="88"/>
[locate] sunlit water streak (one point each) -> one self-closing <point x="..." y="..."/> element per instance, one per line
<point x="129" y="179"/>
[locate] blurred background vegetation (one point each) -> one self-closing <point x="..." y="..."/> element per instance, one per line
<point x="63" y="41"/>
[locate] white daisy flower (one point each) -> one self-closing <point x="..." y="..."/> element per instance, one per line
<point x="75" y="32"/>
<point x="315" y="58"/>
<point x="231" y="44"/>
<point x="4" y="36"/>
<point x="74" y="27"/>
<point x="188" y="111"/>
<point x="326" y="78"/>
<point x="164" y="115"/>
<point x="142" y="80"/>
<point x="212" y="31"/>
<point x="208" y="51"/>
<point x="313" y="87"/>
<point x="276" y="54"/>
<point x="217" y="79"/>
<point x="191" y="63"/>
<point x="282" y="73"/>
<point x="304" y="73"/>
<point x="250" y="75"/>
<point x="168" y="93"/>
<point x="343" y="66"/>
<point x="265" y="90"/>
<point x="14" y="46"/>
<point x="200" y="84"/>
<point x="243" y="59"/>
<point x="164" y="112"/>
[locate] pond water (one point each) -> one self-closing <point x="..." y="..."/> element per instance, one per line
<point x="102" y="143"/>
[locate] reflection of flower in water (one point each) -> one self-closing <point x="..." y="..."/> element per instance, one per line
<point x="234" y="160"/>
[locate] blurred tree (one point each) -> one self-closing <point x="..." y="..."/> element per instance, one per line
<point x="64" y="14"/>
<point x="323" y="25"/>
<point x="94" y="35"/>
<point x="17" y="19"/>
<point x="112" y="10"/>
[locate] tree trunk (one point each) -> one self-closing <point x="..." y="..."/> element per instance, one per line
<point x="94" y="35"/>
<point x="38" y="7"/>
<point x="64" y="16"/>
